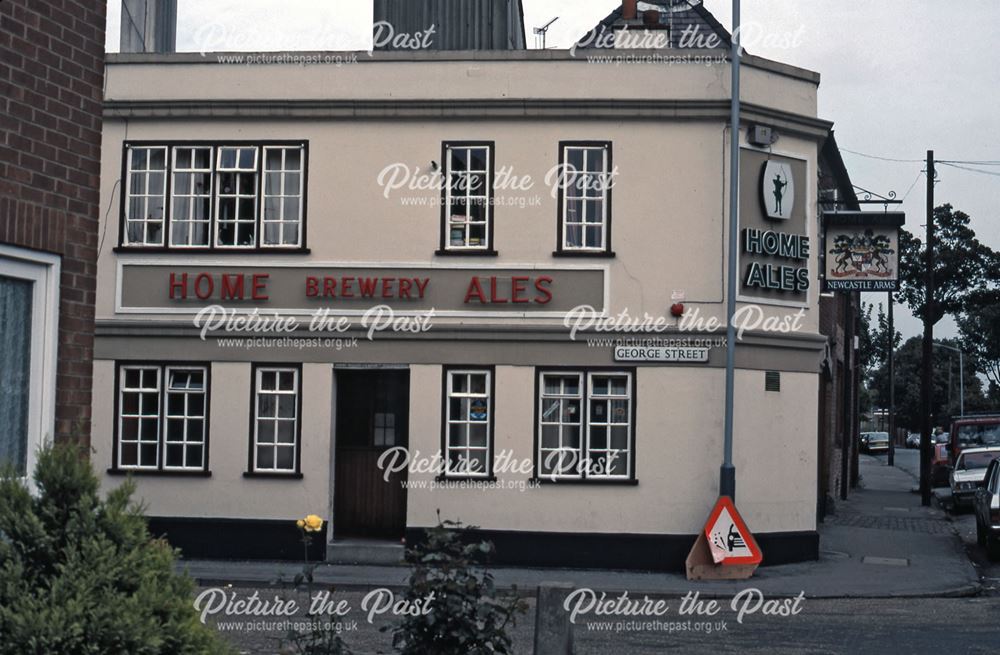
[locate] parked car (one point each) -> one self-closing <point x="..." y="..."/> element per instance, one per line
<point x="975" y="432"/>
<point x="969" y="472"/>
<point x="987" y="506"/>
<point x="940" y="465"/>
<point x="913" y="440"/>
<point x="872" y="442"/>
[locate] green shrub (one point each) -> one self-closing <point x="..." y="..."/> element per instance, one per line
<point x="464" y="614"/>
<point x="82" y="575"/>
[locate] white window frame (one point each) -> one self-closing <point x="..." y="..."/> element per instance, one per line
<point x="191" y="196"/>
<point x="450" y="421"/>
<point x="122" y="390"/>
<point x="296" y="394"/>
<point x="186" y="417"/>
<point x="569" y="181"/>
<point x="487" y="196"/>
<point x="587" y="398"/>
<point x="163" y="391"/>
<point x="43" y="271"/>
<point x="543" y="452"/>
<point x="130" y="192"/>
<point x="283" y="194"/>
<point x="236" y="170"/>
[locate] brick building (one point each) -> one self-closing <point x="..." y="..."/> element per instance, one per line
<point x="51" y="76"/>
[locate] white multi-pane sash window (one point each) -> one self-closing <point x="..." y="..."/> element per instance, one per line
<point x="236" y="205"/>
<point x="585" y="190"/>
<point x="162" y="417"/>
<point x="139" y="417"/>
<point x="191" y="197"/>
<point x="585" y="425"/>
<point x="468" y="193"/>
<point x="184" y="438"/>
<point x="467" y="423"/>
<point x="146" y="196"/>
<point x="561" y="419"/>
<point x="282" y="197"/>
<point x="609" y="425"/>
<point x="276" y="420"/>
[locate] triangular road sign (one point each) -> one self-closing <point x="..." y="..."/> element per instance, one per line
<point x="728" y="537"/>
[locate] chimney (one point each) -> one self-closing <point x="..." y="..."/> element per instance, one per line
<point x="651" y="17"/>
<point x="149" y="26"/>
<point x="629" y="9"/>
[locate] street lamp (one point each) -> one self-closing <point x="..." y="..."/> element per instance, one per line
<point x="961" y="375"/>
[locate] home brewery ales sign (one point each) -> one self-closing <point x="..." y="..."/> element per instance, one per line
<point x="775" y="248"/>
<point x="862" y="250"/>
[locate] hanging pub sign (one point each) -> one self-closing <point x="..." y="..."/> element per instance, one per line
<point x="862" y="250"/>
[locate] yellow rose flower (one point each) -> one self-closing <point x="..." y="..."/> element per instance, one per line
<point x="300" y="523"/>
<point x="313" y="523"/>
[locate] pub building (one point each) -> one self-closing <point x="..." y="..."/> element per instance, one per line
<point x="438" y="317"/>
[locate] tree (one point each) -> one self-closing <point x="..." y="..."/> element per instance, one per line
<point x="873" y="351"/>
<point x="980" y="328"/>
<point x="962" y="265"/>
<point x="81" y="574"/>
<point x="946" y="399"/>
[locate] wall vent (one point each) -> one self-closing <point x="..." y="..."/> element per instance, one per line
<point x="772" y="381"/>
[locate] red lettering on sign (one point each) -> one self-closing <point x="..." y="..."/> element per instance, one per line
<point x="542" y="286"/>
<point x="368" y="286"/>
<point x="329" y="287"/>
<point x="204" y="277"/>
<point x="387" y="287"/>
<point x="232" y="287"/>
<point x="181" y="284"/>
<point x="475" y="289"/>
<point x="422" y="285"/>
<point x="260" y="285"/>
<point x="404" y="288"/>
<point x="312" y="286"/>
<point x="494" y="294"/>
<point x="517" y="289"/>
<point x="345" y="287"/>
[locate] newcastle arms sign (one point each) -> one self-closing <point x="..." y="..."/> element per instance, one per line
<point x="861" y="250"/>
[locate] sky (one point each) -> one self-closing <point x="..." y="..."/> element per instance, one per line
<point x="899" y="77"/>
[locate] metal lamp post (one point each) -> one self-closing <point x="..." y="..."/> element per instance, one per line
<point x="961" y="375"/>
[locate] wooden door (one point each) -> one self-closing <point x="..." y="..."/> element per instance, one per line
<point x="372" y="417"/>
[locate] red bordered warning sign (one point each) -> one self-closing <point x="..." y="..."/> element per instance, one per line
<point x="728" y="537"/>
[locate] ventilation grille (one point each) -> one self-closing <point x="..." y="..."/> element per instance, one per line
<point x="772" y="381"/>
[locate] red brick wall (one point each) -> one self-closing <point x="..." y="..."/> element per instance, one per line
<point x="51" y="87"/>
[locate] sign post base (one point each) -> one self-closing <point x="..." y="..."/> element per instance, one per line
<point x="699" y="564"/>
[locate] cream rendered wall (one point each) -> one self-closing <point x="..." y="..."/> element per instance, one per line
<point x="678" y="453"/>
<point x="227" y="494"/>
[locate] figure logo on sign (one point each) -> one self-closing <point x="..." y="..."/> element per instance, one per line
<point x="862" y="255"/>
<point x="777" y="190"/>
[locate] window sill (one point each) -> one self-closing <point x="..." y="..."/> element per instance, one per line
<point x="160" y="473"/>
<point x="148" y="250"/>
<point x="466" y="253"/>
<point x="598" y="254"/>
<point x="465" y="478"/>
<point x="586" y="481"/>
<point x="279" y="475"/>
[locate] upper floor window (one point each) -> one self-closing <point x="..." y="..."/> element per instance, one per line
<point x="585" y="182"/>
<point x="467" y="198"/>
<point x="214" y="196"/>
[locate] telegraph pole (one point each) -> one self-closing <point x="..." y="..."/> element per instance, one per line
<point x="928" y="345"/>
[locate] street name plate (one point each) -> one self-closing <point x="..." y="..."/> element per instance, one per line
<point x="660" y="354"/>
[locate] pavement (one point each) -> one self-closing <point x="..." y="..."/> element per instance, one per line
<point x="880" y="544"/>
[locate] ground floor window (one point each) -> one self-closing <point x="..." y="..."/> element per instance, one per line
<point x="586" y="425"/>
<point x="276" y="427"/>
<point x="29" y="319"/>
<point x="162" y="417"/>
<point x="467" y="435"/>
